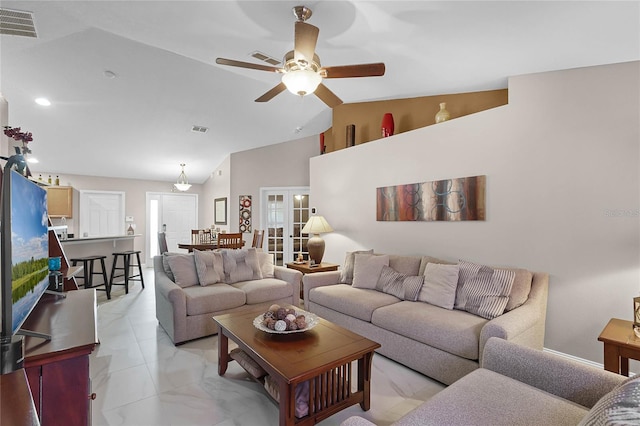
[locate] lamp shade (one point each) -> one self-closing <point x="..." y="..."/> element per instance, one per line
<point x="317" y="225"/>
<point x="301" y="82"/>
<point x="183" y="183"/>
<point x="315" y="245"/>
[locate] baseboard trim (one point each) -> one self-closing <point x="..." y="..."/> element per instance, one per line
<point x="575" y="358"/>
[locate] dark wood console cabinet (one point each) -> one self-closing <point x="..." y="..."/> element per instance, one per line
<point x="58" y="369"/>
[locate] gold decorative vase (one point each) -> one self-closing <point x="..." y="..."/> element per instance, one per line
<point x="443" y="114"/>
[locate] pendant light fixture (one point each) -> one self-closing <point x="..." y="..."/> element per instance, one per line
<point x="183" y="183"/>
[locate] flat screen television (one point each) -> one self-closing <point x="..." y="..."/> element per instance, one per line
<point x="24" y="249"/>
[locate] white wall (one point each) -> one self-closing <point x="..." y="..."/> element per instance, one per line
<point x="562" y="167"/>
<point x="283" y="164"/>
<point x="217" y="186"/>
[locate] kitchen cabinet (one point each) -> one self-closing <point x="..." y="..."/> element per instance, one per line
<point x="60" y="201"/>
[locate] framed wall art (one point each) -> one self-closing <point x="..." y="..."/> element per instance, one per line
<point x="220" y="211"/>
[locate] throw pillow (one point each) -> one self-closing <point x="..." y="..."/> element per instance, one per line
<point x="440" y="283"/>
<point x="486" y="294"/>
<point x="241" y="265"/>
<point x="391" y="282"/>
<point x="618" y="407"/>
<point x="183" y="267"/>
<point x="165" y="264"/>
<point x="209" y="266"/>
<point x="346" y="273"/>
<point x="266" y="264"/>
<point x="412" y="285"/>
<point x="367" y="269"/>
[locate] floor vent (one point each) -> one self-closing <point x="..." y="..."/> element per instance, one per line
<point x="199" y="129"/>
<point x="17" y="22"/>
<point x="265" y="58"/>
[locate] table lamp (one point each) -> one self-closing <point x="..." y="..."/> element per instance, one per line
<point x="316" y="226"/>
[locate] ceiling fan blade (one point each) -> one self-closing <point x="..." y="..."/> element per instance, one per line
<point x="327" y="96"/>
<point x="234" y="63"/>
<point x="272" y="93"/>
<point x="306" y="37"/>
<point x="361" y="70"/>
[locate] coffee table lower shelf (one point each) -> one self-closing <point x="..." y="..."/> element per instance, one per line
<point x="324" y="376"/>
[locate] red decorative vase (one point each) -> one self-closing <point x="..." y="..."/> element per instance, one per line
<point x="387" y="125"/>
<point x="322" y="146"/>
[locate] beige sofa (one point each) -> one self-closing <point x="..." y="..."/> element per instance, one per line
<point x="184" y="311"/>
<point x="518" y="385"/>
<point x="445" y="344"/>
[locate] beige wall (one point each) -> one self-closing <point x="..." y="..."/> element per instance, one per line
<point x="563" y="194"/>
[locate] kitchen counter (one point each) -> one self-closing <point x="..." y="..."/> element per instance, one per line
<point x="113" y="238"/>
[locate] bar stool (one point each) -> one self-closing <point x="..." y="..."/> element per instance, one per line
<point x="126" y="269"/>
<point x="88" y="272"/>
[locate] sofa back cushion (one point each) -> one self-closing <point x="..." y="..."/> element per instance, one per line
<point x="209" y="266"/>
<point x="408" y="265"/>
<point x="183" y="268"/>
<point x="346" y="273"/>
<point x="520" y="289"/>
<point x="241" y="265"/>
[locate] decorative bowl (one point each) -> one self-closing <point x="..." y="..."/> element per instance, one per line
<point x="312" y="321"/>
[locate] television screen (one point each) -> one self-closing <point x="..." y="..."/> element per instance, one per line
<point x="29" y="246"/>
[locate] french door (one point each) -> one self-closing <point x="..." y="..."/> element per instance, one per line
<point x="176" y="214"/>
<point x="284" y="213"/>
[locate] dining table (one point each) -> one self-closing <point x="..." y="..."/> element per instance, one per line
<point x="198" y="246"/>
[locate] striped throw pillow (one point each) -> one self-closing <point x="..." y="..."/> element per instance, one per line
<point x="400" y="285"/>
<point x="486" y="293"/>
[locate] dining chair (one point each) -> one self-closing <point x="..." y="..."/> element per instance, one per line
<point x="162" y="243"/>
<point x="201" y="236"/>
<point x="258" y="237"/>
<point x="230" y="240"/>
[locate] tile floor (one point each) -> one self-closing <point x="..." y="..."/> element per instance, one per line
<point x="140" y="378"/>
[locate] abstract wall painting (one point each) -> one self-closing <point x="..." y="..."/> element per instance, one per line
<point x="245" y="213"/>
<point x="443" y="200"/>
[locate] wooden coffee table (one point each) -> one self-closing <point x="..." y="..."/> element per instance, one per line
<point x="322" y="355"/>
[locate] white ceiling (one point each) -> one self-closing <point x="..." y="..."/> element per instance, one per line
<point x="138" y="125"/>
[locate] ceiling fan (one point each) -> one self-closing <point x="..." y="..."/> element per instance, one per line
<point x="302" y="73"/>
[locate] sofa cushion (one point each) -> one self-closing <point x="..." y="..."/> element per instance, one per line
<point x="165" y="264"/>
<point x="621" y="406"/>
<point x="209" y="266"/>
<point x="356" y="302"/>
<point x="212" y="298"/>
<point x="408" y="265"/>
<point x="428" y="259"/>
<point x="264" y="290"/>
<point x="266" y="264"/>
<point x="367" y="268"/>
<point x="483" y="290"/>
<point x="440" y="283"/>
<point x="346" y="272"/>
<point x="452" y="331"/>
<point x="520" y="289"/>
<point x="241" y="265"/>
<point x="183" y="268"/>
<point x="509" y="402"/>
<point x="400" y="285"/>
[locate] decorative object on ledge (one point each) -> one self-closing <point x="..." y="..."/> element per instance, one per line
<point x="183" y="183"/>
<point x="443" y="114"/>
<point x="636" y="316"/>
<point x="19" y="160"/>
<point x="444" y="200"/>
<point x="316" y="225"/>
<point x="220" y="211"/>
<point x="323" y="148"/>
<point x="387" y="125"/>
<point x="351" y="135"/>
<point x="245" y="213"/>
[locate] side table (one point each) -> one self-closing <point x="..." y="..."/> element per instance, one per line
<point x="620" y="345"/>
<point x="305" y="268"/>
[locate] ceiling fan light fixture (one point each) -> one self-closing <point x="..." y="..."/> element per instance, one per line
<point x="301" y="82"/>
<point x="183" y="183"/>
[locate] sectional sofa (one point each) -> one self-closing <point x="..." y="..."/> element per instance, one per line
<point x="191" y="288"/>
<point x="416" y="308"/>
<point x="518" y="385"/>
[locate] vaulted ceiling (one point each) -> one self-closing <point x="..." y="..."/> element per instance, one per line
<point x="129" y="79"/>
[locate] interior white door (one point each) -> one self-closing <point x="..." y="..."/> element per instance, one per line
<point x="176" y="214"/>
<point x="284" y="213"/>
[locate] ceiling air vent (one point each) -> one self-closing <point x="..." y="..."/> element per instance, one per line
<point x="265" y="58"/>
<point x="199" y="129"/>
<point x="17" y="22"/>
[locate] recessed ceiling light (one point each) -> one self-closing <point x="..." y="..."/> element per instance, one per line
<point x="43" y="101"/>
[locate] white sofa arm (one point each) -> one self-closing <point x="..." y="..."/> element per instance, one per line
<point x="291" y="276"/>
<point x="318" y="279"/>
<point x="568" y="379"/>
